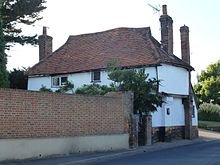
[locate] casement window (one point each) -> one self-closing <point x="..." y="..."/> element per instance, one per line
<point x="96" y="76"/>
<point x="59" y="81"/>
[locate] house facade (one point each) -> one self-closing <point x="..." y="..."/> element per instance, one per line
<point x="83" y="59"/>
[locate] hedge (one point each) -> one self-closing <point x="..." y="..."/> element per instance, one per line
<point x="209" y="112"/>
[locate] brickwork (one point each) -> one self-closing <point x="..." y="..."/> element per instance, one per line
<point x="188" y="117"/>
<point x="171" y="133"/>
<point x="166" y="24"/>
<point x="45" y="45"/>
<point x="185" y="50"/>
<point x="25" y="114"/>
<point x="176" y="132"/>
<point x="195" y="132"/>
<point x="155" y="134"/>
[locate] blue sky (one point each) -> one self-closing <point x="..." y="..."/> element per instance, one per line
<point x="73" y="17"/>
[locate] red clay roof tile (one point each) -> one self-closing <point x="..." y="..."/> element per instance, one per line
<point x="130" y="47"/>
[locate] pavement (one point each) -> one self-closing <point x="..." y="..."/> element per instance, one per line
<point x="204" y="135"/>
<point x="82" y="158"/>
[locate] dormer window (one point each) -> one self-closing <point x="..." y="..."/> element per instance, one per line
<point x="96" y="76"/>
<point x="59" y="81"/>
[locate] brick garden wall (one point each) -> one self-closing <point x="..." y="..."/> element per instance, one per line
<point x="25" y="114"/>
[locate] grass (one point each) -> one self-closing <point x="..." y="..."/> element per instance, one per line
<point x="210" y="125"/>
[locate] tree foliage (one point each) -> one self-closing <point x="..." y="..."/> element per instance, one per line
<point x="208" y="87"/>
<point x="20" y="12"/>
<point x="209" y="112"/>
<point x="146" y="95"/>
<point x="18" y="79"/>
<point x="3" y="58"/>
<point x="94" y="89"/>
<point x="65" y="88"/>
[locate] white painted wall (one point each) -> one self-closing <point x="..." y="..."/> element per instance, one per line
<point x="78" y="79"/>
<point x="41" y="147"/>
<point x="174" y="80"/>
<point x="151" y="71"/>
<point x="35" y="83"/>
<point x="175" y="118"/>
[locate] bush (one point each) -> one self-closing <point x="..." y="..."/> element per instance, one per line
<point x="45" y="89"/>
<point x="94" y="89"/>
<point x="209" y="112"/>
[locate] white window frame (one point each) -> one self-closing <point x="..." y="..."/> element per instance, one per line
<point x="60" y="83"/>
<point x="93" y="76"/>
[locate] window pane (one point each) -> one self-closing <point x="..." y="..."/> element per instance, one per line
<point x="193" y="112"/>
<point x="96" y="76"/>
<point x="55" y="81"/>
<point x="63" y="80"/>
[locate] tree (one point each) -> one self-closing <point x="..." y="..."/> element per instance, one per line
<point x="146" y="95"/>
<point x="3" y="59"/>
<point x="20" y="12"/>
<point x="18" y="79"/>
<point x="208" y="87"/>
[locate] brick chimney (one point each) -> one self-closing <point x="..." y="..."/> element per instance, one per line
<point x="166" y="24"/>
<point x="185" y="50"/>
<point x="45" y="45"/>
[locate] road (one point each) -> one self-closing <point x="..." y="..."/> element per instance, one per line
<point x="203" y="153"/>
<point x="207" y="153"/>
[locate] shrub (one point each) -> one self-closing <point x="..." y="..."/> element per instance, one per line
<point x="94" y="89"/>
<point x="209" y="112"/>
<point x="45" y="89"/>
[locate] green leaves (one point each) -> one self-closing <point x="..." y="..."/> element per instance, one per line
<point x="3" y="59"/>
<point x="45" y="89"/>
<point x="16" y="12"/>
<point x="67" y="87"/>
<point x="18" y="79"/>
<point x="94" y="89"/>
<point x="209" y="112"/>
<point x="146" y="96"/>
<point x="208" y="88"/>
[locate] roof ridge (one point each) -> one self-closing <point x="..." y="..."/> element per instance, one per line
<point x="110" y="30"/>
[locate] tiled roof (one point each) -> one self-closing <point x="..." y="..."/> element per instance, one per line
<point x="130" y="47"/>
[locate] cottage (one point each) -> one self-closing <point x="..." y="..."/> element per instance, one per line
<point x="83" y="60"/>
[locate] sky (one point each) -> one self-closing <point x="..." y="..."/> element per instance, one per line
<point x="74" y="17"/>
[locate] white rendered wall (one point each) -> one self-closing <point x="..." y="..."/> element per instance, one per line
<point x="151" y="71"/>
<point x="160" y="118"/>
<point x="41" y="147"/>
<point x="174" y="80"/>
<point x="35" y="83"/>
<point x="78" y="79"/>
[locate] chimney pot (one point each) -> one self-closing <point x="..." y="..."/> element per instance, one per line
<point x="44" y="30"/>
<point x="164" y="9"/>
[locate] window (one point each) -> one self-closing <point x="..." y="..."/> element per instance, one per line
<point x="63" y="80"/>
<point x="96" y="76"/>
<point x="59" y="81"/>
<point x="193" y="112"/>
<point x="168" y="111"/>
